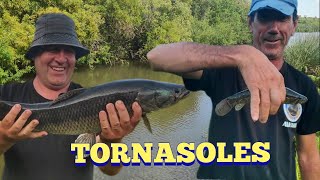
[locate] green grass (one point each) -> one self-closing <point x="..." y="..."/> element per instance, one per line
<point x="304" y="54"/>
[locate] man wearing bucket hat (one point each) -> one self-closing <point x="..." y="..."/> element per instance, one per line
<point x="54" y="50"/>
<point x="224" y="70"/>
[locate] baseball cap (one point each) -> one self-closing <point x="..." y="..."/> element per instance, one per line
<point x="286" y="7"/>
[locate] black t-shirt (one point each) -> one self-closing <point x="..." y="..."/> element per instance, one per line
<point x="46" y="158"/>
<point x="239" y="127"/>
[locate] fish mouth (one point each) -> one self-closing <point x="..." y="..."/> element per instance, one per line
<point x="183" y="93"/>
<point x="304" y="99"/>
<point x="295" y="96"/>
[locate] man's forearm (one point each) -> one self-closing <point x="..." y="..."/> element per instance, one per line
<point x="189" y="57"/>
<point x="108" y="169"/>
<point x="262" y="77"/>
<point x="310" y="170"/>
<point x="5" y="145"/>
<point x="308" y="157"/>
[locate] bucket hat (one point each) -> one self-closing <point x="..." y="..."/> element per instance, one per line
<point x="286" y="7"/>
<point x="55" y="29"/>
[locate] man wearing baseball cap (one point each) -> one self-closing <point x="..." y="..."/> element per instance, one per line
<point x="222" y="71"/>
<point x="286" y="7"/>
<point x="33" y="155"/>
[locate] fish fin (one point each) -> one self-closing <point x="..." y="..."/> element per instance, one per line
<point x="238" y="107"/>
<point x="85" y="139"/>
<point x="146" y="122"/>
<point x="64" y="96"/>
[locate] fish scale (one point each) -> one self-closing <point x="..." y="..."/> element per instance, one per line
<point x="84" y="118"/>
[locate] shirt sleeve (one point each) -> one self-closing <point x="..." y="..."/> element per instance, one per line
<point x="310" y="120"/>
<point x="204" y="83"/>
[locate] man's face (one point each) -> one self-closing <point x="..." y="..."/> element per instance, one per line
<point x="271" y="31"/>
<point x="55" y="65"/>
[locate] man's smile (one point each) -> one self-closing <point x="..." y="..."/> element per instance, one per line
<point x="57" y="69"/>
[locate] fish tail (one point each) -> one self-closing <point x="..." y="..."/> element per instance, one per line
<point x="223" y="107"/>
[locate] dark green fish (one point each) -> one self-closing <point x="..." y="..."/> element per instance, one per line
<point x="76" y="112"/>
<point x="242" y="98"/>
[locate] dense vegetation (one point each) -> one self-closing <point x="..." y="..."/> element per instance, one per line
<point x="120" y="31"/>
<point x="124" y="31"/>
<point x="304" y="54"/>
<point x="308" y="24"/>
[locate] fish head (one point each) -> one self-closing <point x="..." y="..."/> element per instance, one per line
<point x="151" y="99"/>
<point x="296" y="99"/>
<point x="293" y="97"/>
<point x="168" y="97"/>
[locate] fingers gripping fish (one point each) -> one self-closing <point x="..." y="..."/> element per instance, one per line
<point x="242" y="98"/>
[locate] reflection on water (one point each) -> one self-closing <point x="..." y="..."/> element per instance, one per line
<point x="103" y="74"/>
<point x="298" y="36"/>
<point x="187" y="121"/>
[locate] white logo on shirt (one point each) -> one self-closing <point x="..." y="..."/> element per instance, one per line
<point x="293" y="113"/>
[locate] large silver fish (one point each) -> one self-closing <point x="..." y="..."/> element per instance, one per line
<point x="242" y="98"/>
<point x="76" y="112"/>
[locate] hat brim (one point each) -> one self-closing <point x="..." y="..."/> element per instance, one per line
<point x="280" y="6"/>
<point x="57" y="39"/>
<point x="79" y="51"/>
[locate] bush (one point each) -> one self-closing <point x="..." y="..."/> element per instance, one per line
<point x="14" y="40"/>
<point x="304" y="54"/>
<point x="308" y="24"/>
<point x="121" y="31"/>
<point x="220" y="23"/>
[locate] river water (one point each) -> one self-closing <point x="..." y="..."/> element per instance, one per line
<point x="303" y="35"/>
<point x="187" y="121"/>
